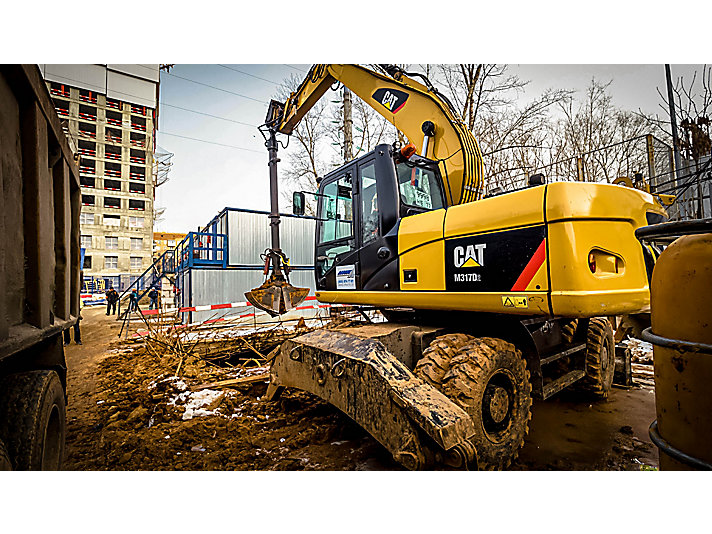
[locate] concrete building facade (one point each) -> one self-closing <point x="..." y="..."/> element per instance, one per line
<point x="109" y="114"/>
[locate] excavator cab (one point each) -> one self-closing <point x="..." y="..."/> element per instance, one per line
<point x="360" y="206"/>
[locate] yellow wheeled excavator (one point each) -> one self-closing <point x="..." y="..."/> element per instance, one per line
<point x="490" y="300"/>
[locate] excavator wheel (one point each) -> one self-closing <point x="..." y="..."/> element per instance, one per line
<point x="488" y="378"/>
<point x="431" y="368"/>
<point x="600" y="358"/>
<point x="568" y="331"/>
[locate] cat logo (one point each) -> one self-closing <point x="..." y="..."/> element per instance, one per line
<point x="470" y="256"/>
<point x="392" y="99"/>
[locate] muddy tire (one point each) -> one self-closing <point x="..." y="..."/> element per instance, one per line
<point x="490" y="381"/>
<point x="32" y="411"/>
<point x="5" y="464"/>
<point x="600" y="358"/>
<point x="431" y="368"/>
<point x="568" y="331"/>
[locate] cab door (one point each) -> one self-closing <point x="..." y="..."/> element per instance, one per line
<point x="336" y="247"/>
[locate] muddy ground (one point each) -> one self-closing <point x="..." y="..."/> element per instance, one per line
<point x="125" y="413"/>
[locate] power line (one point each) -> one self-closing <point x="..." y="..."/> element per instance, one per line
<point x="210" y="142"/>
<point x="296" y="68"/>
<point x="216" y="88"/>
<point x="248" y="74"/>
<point x="209" y="115"/>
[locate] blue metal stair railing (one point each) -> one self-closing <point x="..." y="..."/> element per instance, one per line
<point x="163" y="266"/>
<point x="201" y="249"/>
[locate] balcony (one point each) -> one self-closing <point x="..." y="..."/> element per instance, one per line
<point x="112" y="202"/>
<point x="87" y="200"/>
<point x="135" y="187"/>
<point x="87" y="113"/>
<point x="138" y="205"/>
<point x="114" y="104"/>
<point x="87" y="96"/>
<point x="112" y="185"/>
<point x="112" y="169"/>
<point x="138" y="123"/>
<point x="138" y="140"/>
<point x="137" y="173"/>
<point x="112" y="152"/>
<point x="58" y="89"/>
<point x="113" y="136"/>
<point x="87" y="148"/>
<point x="87" y="166"/>
<point x="138" y="156"/>
<point x="62" y="107"/>
<point x="138" y="110"/>
<point x="113" y="118"/>
<point x="87" y="181"/>
<point x="87" y="130"/>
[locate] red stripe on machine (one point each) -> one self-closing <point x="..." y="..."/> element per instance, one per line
<point x="531" y="269"/>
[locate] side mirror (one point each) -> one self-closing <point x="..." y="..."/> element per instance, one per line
<point x="298" y="203"/>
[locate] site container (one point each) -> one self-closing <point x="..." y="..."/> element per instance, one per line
<point x="39" y="270"/>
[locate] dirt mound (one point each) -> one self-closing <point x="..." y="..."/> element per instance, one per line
<point x="151" y="419"/>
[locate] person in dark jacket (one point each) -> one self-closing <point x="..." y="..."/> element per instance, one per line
<point x="112" y="297"/>
<point x="153" y="295"/>
<point x="133" y="300"/>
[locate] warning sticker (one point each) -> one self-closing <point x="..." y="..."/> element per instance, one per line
<point x="514" y="301"/>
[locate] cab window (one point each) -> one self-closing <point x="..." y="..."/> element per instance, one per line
<point x="369" y="200"/>
<point x="418" y="187"/>
<point x="335" y="224"/>
<point x="336" y="211"/>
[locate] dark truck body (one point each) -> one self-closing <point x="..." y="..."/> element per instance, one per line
<point x="39" y="236"/>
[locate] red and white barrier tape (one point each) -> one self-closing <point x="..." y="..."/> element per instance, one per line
<point x="210" y="307"/>
<point x="142" y="333"/>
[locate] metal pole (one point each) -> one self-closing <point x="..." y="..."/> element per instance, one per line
<point x="673" y="124"/>
<point x="274" y="199"/>
<point x="650" y="149"/>
<point x="579" y="170"/>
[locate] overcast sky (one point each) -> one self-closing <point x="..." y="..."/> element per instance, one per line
<point x="225" y="162"/>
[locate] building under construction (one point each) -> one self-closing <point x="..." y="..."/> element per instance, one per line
<point x="109" y="113"/>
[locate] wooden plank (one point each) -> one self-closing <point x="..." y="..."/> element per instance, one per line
<point x="234" y="382"/>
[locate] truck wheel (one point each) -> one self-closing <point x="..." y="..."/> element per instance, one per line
<point x="431" y="368"/>
<point x="490" y="381"/>
<point x="600" y="358"/>
<point x="33" y="411"/>
<point x="5" y="464"/>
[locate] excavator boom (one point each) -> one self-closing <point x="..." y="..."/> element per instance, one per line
<point x="419" y="112"/>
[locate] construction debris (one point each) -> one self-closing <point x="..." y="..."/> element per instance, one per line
<point x="191" y="398"/>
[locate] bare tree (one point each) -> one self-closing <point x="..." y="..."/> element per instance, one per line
<point x="693" y="104"/>
<point x="370" y="129"/>
<point x="595" y="130"/>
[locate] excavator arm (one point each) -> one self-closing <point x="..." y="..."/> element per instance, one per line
<point x="417" y="110"/>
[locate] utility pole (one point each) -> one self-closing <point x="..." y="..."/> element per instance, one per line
<point x="348" y="127"/>
<point x="673" y="125"/>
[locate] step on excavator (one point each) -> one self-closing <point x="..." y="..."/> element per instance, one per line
<point x="490" y="300"/>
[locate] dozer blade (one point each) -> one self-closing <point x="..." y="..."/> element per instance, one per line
<point x="277" y="296"/>
<point x="420" y="426"/>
